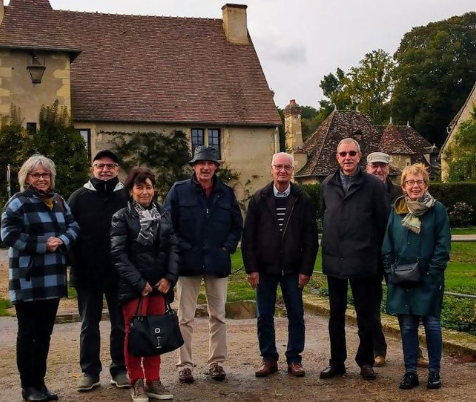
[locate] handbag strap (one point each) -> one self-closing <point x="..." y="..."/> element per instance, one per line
<point x="139" y="307"/>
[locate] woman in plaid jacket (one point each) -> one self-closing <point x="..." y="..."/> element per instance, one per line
<point x="39" y="228"/>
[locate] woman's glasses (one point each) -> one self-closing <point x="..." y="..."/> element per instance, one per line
<point x="38" y="176"/>
<point x="343" y="154"/>
<point x="419" y="183"/>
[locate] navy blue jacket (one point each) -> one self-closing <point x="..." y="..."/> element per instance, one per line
<point x="208" y="229"/>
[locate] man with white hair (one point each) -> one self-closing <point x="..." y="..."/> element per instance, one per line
<point x="279" y="247"/>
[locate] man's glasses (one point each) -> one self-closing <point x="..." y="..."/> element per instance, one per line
<point x="287" y="168"/>
<point x="343" y="154"/>
<point x="105" y="165"/>
<point x="419" y="183"/>
<point x="37" y="176"/>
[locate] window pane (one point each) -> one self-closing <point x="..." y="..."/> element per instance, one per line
<point x="197" y="138"/>
<point x="214" y="139"/>
<point x="86" y="135"/>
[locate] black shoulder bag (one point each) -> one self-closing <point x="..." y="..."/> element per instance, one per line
<point x="405" y="274"/>
<point x="151" y="335"/>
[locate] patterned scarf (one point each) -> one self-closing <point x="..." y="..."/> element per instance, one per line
<point x="149" y="222"/>
<point x="45" y="196"/>
<point x="414" y="209"/>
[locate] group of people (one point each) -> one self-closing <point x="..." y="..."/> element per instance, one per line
<point x="134" y="252"/>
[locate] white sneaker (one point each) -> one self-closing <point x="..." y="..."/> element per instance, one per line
<point x="138" y="392"/>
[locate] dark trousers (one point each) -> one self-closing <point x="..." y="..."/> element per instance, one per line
<point x="363" y="294"/>
<point x="35" y="325"/>
<point x="380" y="345"/>
<point x="266" y="304"/>
<point x="90" y="305"/>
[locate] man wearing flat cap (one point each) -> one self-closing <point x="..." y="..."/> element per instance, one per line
<point x="93" y="274"/>
<point x="208" y="223"/>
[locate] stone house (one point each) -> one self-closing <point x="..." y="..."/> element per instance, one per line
<point x="125" y="73"/>
<point x="463" y="115"/>
<point x="315" y="159"/>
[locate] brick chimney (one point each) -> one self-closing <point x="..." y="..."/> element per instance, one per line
<point x="235" y="23"/>
<point x="292" y="126"/>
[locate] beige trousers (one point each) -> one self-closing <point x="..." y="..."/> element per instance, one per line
<point x="188" y="288"/>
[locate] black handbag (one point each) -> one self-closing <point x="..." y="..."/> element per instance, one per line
<point x="151" y="335"/>
<point x="405" y="274"/>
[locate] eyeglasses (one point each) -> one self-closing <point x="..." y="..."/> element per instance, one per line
<point x="287" y="168"/>
<point x="37" y="176"/>
<point x="343" y="154"/>
<point x="419" y="183"/>
<point x="105" y="165"/>
<point x="377" y="165"/>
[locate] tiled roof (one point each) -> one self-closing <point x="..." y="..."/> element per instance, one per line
<point x="147" y="68"/>
<point x="392" y="141"/>
<point x="322" y="145"/>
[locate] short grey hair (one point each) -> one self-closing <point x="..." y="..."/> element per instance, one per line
<point x="32" y="163"/>
<point x="290" y="157"/>
<point x="346" y="140"/>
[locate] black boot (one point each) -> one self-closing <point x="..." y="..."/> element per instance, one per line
<point x="33" y="394"/>
<point x="434" y="381"/>
<point x="50" y="395"/>
<point x="410" y="380"/>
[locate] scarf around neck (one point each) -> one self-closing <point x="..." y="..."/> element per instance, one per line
<point x="413" y="210"/>
<point x="45" y="196"/>
<point x="149" y="222"/>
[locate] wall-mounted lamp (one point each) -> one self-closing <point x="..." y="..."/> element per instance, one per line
<point x="36" y="69"/>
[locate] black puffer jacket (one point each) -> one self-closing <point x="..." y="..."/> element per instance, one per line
<point x="265" y="249"/>
<point x="137" y="263"/>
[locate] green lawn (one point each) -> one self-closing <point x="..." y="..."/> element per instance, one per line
<point x="465" y="231"/>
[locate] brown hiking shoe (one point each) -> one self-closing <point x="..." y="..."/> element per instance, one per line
<point x="185" y="376"/>
<point x="217" y="372"/>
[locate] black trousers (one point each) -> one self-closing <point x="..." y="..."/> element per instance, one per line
<point x="363" y="290"/>
<point x="90" y="305"/>
<point x="35" y="325"/>
<point x="380" y="345"/>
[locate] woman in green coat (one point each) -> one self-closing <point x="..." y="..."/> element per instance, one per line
<point x="418" y="230"/>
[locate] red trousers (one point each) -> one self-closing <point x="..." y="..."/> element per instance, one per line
<point x="142" y="367"/>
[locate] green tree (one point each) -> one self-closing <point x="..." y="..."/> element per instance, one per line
<point x="166" y="155"/>
<point x="370" y="85"/>
<point x="435" y="73"/>
<point x="58" y="140"/>
<point x="460" y="155"/>
<point x="13" y="140"/>
<point x="334" y="88"/>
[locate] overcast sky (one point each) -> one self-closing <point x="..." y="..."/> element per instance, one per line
<point x="300" y="41"/>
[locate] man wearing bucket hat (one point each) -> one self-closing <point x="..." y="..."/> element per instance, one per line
<point x="208" y="222"/>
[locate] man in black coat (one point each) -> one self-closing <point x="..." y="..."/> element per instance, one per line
<point x="279" y="246"/>
<point x="93" y="274"/>
<point x="354" y="210"/>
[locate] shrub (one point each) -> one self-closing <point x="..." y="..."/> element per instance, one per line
<point x="461" y="214"/>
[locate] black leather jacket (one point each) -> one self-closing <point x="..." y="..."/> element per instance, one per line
<point x="137" y="263"/>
